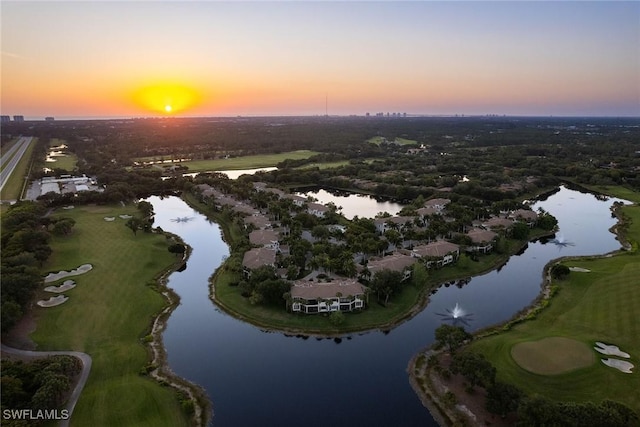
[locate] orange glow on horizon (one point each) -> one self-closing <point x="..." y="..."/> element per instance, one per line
<point x="167" y="98"/>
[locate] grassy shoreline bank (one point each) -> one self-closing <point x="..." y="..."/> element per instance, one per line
<point x="573" y="307"/>
<point x="403" y="307"/>
<point x="111" y="315"/>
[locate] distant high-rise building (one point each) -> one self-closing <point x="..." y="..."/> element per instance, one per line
<point x="5" y="119"/>
<point x="18" y="118"/>
<point x="49" y="119"/>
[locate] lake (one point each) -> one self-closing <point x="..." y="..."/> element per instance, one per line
<point x="362" y="205"/>
<point x="260" y="378"/>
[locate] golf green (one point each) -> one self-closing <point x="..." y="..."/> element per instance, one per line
<point x="553" y="355"/>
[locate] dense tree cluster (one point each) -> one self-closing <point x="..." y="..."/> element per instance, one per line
<point x="539" y="411"/>
<point x="143" y="220"/>
<point x="489" y="157"/>
<point x="385" y="284"/>
<point x="40" y="384"/>
<point x="26" y="233"/>
<point x="265" y="287"/>
<point x="451" y="337"/>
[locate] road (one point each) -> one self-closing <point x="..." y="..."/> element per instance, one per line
<point x="86" y="368"/>
<point x="10" y="159"/>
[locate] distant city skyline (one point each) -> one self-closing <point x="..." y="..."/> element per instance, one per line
<point x="215" y="58"/>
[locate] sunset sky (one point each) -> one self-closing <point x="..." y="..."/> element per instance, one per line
<point x="216" y="58"/>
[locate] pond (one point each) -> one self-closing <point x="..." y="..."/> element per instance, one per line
<point x="260" y="378"/>
<point x="362" y="205"/>
<point x="237" y="173"/>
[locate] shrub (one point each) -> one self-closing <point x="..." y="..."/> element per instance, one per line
<point x="449" y="399"/>
<point x="336" y="318"/>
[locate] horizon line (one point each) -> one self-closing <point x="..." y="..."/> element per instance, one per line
<point x="240" y="116"/>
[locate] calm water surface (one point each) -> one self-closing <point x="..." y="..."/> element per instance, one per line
<point x="257" y="378"/>
<point x="362" y="205"/>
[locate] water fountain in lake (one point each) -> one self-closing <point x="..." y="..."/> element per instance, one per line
<point x="456" y="316"/>
<point x="182" y="219"/>
<point x="561" y="242"/>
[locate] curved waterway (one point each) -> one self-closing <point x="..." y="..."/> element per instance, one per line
<point x="258" y="378"/>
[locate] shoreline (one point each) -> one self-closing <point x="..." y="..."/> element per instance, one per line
<point x="422" y="299"/>
<point x="159" y="368"/>
<point x="18" y="339"/>
<point x="432" y="395"/>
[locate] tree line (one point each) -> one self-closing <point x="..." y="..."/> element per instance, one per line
<point x="41" y="384"/>
<point x="26" y="233"/>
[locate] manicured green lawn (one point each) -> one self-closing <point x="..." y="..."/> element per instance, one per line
<point x="611" y="190"/>
<point x="106" y="316"/>
<point x="244" y="162"/>
<point x="553" y="355"/>
<point x="618" y="191"/>
<point x="601" y="305"/>
<point x="67" y="162"/>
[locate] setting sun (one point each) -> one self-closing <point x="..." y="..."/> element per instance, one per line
<point x="166" y="98"/>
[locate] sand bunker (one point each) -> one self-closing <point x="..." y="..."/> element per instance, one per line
<point x="53" y="301"/>
<point x="621" y="365"/>
<point x="68" y="207"/>
<point x="66" y="285"/>
<point x="109" y="218"/>
<point x="610" y="350"/>
<point x="52" y="277"/>
<point x="579" y="269"/>
<point x="125" y="216"/>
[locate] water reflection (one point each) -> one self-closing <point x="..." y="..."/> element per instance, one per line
<point x="363" y="378"/>
<point x="361" y="205"/>
<point x="561" y="242"/>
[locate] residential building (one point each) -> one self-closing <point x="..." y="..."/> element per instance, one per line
<point x="394" y="262"/>
<point x="439" y="253"/>
<point x="528" y="216"/>
<point x="483" y="240"/>
<point x="340" y="294"/>
<point x="439" y="204"/>
<point x="257" y="257"/>
<point x="317" y="209"/>
<point x="384" y="224"/>
<point x="264" y="237"/>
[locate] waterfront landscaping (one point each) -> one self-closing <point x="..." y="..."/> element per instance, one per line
<point x="482" y="166"/>
<point x="551" y="351"/>
<point x="406" y="303"/>
<point x="108" y="316"/>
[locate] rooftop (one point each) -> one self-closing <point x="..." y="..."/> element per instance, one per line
<point x="438" y="248"/>
<point x="311" y="290"/>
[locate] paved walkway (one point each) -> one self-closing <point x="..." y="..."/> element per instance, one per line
<point x="84" y="374"/>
